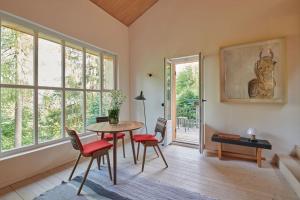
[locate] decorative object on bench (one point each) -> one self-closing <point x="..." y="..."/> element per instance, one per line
<point x="254" y="72"/>
<point x="259" y="145"/>
<point x="95" y="150"/>
<point x="252" y="132"/>
<point x="117" y="99"/>
<point x="142" y="98"/>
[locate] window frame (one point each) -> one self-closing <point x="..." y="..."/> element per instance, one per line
<point x="64" y="42"/>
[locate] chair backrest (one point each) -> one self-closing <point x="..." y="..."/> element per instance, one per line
<point x="160" y="127"/>
<point x="75" y="141"/>
<point x="101" y="119"/>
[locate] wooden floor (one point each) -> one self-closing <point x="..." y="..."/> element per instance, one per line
<point x="226" y="179"/>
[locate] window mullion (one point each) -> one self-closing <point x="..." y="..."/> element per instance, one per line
<point x="35" y="84"/>
<point x="63" y="67"/>
<point x="84" y="89"/>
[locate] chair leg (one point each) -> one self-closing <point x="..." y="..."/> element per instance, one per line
<point x="155" y="151"/>
<point x="162" y="156"/>
<point x="108" y="165"/>
<point x="138" y="151"/>
<point x="73" y="170"/>
<point x="99" y="162"/>
<point x="85" y="175"/>
<point x="123" y="143"/>
<point x="145" y="148"/>
<point x="103" y="160"/>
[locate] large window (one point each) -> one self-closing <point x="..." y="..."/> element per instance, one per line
<point x="48" y="82"/>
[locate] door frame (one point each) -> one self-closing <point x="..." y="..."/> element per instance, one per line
<point x="173" y="96"/>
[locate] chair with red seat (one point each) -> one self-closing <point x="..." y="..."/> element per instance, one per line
<point x="94" y="150"/>
<point x="149" y="140"/>
<point x="110" y="136"/>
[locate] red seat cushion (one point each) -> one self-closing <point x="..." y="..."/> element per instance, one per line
<point x="110" y="136"/>
<point x="144" y="138"/>
<point x="92" y="147"/>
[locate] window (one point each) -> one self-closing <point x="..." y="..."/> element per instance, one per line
<point x="16" y="118"/>
<point x="93" y="72"/>
<point x="108" y="72"/>
<point x="16" y="57"/>
<point x="49" y="115"/>
<point x="50" y="63"/>
<point x="47" y="85"/>
<point x="74" y="68"/>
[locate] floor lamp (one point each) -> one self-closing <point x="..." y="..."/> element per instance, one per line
<point x="142" y="98"/>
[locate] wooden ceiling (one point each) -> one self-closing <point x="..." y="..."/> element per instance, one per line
<point x="126" y="11"/>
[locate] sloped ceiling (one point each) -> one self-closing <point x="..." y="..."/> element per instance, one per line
<point x="126" y="11"/>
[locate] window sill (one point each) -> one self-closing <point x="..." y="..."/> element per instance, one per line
<point x="34" y="148"/>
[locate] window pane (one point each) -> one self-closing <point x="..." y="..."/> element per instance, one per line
<point x="106" y="103"/>
<point x="93" y="107"/>
<point x="49" y="63"/>
<point x="93" y="80"/>
<point x="16" y="57"/>
<point x="16" y="118"/>
<point x="108" y="72"/>
<point x="73" y="68"/>
<point x="50" y="115"/>
<point x="74" y="110"/>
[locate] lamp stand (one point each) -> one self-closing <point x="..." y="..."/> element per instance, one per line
<point x="145" y="116"/>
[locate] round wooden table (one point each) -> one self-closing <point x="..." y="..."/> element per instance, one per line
<point x="123" y="126"/>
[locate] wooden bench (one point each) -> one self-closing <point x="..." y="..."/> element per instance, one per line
<point x="258" y="144"/>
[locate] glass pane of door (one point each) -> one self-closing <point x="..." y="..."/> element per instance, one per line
<point x="168" y="89"/>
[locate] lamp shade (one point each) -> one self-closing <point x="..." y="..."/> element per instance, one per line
<point x="140" y="97"/>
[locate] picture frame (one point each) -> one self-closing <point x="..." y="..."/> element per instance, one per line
<point x="254" y="72"/>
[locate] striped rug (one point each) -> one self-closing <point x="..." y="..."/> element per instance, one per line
<point x="129" y="187"/>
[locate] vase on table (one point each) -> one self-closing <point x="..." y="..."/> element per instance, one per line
<point x="113" y="116"/>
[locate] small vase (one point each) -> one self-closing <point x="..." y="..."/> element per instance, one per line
<point x="113" y="116"/>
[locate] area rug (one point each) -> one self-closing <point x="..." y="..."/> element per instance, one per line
<point x="129" y="187"/>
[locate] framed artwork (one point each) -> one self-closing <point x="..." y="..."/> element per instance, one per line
<point x="254" y="72"/>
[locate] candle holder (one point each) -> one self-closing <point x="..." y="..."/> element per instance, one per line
<point x="252" y="133"/>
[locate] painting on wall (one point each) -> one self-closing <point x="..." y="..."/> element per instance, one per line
<point x="254" y="72"/>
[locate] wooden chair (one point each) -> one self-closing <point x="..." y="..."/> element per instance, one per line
<point x="149" y="140"/>
<point x="109" y="136"/>
<point x="94" y="150"/>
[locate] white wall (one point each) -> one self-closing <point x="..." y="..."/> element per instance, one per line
<point x="87" y="22"/>
<point x="174" y="28"/>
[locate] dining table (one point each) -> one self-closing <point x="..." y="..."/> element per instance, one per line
<point x="122" y="126"/>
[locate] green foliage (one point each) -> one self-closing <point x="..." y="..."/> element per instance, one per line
<point x="117" y="99"/>
<point x="187" y="93"/>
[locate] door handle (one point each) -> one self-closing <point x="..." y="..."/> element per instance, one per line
<point x="204" y="100"/>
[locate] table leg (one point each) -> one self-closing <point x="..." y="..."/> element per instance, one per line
<point x="220" y="150"/>
<point x="258" y="156"/>
<point x="115" y="158"/>
<point x="132" y="145"/>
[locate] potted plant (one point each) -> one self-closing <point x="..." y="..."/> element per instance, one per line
<point x="117" y="99"/>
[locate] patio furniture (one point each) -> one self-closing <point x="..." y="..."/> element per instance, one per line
<point x="110" y="136"/>
<point x="151" y="140"/>
<point x="242" y="141"/>
<point x="94" y="150"/>
<point x="123" y="126"/>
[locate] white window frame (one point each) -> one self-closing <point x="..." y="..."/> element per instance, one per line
<point x="36" y="28"/>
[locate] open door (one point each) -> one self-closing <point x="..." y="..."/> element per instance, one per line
<point x="168" y="100"/>
<point x="184" y="112"/>
<point x="202" y="102"/>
